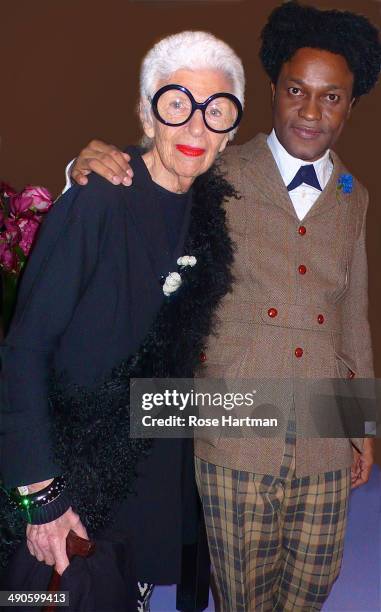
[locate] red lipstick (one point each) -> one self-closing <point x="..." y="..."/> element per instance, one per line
<point x="190" y="151"/>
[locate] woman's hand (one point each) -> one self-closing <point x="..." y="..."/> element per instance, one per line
<point x="106" y="160"/>
<point x="47" y="542"/>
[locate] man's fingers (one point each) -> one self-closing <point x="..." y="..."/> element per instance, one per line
<point x="96" y="148"/>
<point x="109" y="170"/>
<point x="115" y="163"/>
<point x="122" y="159"/>
<point x="80" y="178"/>
<point x="355" y="481"/>
<point x="112" y="175"/>
<point x="358" y="483"/>
<point x="365" y="475"/>
<point x="355" y="472"/>
<point x="106" y="160"/>
<point x="84" y="167"/>
<point x="361" y="477"/>
<point x="127" y="157"/>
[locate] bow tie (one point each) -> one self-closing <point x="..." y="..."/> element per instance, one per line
<point x="305" y="174"/>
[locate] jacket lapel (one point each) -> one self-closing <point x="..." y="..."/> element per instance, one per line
<point x="262" y="171"/>
<point x="331" y="196"/>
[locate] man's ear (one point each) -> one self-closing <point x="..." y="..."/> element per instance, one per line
<point x="353" y="103"/>
<point x="146" y="119"/>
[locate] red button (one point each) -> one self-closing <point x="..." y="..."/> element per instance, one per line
<point x="320" y="319"/>
<point x="302" y="269"/>
<point x="302" y="230"/>
<point x="202" y="357"/>
<point x="298" y="352"/>
<point x="272" y="312"/>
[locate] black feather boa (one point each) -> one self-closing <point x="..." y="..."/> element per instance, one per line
<point x="91" y="428"/>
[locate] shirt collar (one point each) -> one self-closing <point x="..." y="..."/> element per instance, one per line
<point x="288" y="165"/>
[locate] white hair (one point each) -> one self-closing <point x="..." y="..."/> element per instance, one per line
<point x="191" y="51"/>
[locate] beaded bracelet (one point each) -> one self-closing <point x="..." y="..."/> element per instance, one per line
<point x="39" y="498"/>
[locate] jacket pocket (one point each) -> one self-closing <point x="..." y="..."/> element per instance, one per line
<point x="345" y="366"/>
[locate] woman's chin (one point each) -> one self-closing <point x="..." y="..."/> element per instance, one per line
<point x="190" y="166"/>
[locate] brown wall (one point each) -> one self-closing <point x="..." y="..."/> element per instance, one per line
<point x="70" y="72"/>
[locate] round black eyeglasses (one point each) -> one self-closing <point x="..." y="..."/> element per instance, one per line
<point x="174" y="105"/>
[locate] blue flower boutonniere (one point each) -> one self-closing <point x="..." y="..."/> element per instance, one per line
<point x="345" y="183"/>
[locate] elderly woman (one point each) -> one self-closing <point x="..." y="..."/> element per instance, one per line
<point x="123" y="284"/>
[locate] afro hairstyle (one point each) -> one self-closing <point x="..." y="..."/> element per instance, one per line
<point x="292" y="26"/>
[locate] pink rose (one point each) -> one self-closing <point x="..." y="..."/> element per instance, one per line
<point x="7" y="190"/>
<point x="8" y="259"/>
<point x="41" y="198"/>
<point x="12" y="232"/>
<point x="28" y="229"/>
<point x="20" y="203"/>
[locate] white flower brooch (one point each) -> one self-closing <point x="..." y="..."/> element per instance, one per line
<point x="173" y="280"/>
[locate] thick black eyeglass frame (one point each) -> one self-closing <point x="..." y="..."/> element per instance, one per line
<point x="196" y="106"/>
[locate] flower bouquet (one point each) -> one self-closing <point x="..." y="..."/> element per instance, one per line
<point x="20" y="218"/>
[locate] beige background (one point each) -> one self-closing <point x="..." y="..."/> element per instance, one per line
<point x="70" y="72"/>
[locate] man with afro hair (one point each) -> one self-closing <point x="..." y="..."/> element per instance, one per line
<point x="275" y="507"/>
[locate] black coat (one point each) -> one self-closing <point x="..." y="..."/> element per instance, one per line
<point x="88" y="297"/>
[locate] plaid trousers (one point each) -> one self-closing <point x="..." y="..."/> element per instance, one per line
<point x="276" y="543"/>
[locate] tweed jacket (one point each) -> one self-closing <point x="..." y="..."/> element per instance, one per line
<point x="298" y="309"/>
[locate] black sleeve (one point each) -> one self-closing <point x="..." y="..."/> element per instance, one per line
<point x="62" y="262"/>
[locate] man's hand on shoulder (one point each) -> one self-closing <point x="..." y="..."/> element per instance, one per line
<point x="103" y="159"/>
<point x="362" y="464"/>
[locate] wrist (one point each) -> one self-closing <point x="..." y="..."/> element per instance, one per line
<point x="35" y="487"/>
<point x="369" y="446"/>
<point x="49" y="512"/>
<point x="43" y="505"/>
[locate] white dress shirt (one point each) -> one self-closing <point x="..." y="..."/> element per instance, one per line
<point x="68" y="182"/>
<point x="304" y="196"/>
